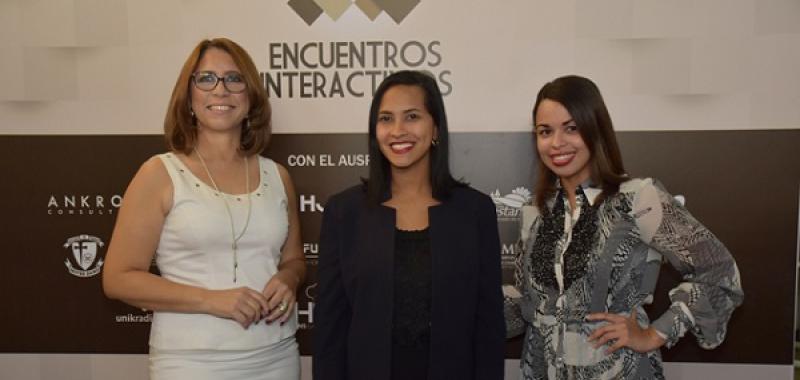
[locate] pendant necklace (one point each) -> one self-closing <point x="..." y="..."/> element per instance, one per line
<point x="234" y="236"/>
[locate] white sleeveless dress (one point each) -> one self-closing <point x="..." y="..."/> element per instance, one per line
<point x="195" y="248"/>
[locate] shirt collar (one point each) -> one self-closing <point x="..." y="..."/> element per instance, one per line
<point x="589" y="188"/>
<point x="591" y="193"/>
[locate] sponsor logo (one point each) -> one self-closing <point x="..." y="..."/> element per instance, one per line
<point x="306" y="312"/>
<point x="83" y="204"/>
<point x="508" y="255"/>
<point x="311" y="250"/>
<point x="83" y="261"/>
<point x="508" y="206"/>
<point x="308" y="203"/>
<point x="310" y="10"/>
<point x="134" y="318"/>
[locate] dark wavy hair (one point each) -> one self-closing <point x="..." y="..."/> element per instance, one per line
<point x="378" y="185"/>
<point x="179" y="124"/>
<point x="582" y="99"/>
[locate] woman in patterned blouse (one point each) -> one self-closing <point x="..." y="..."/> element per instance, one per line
<point x="593" y="243"/>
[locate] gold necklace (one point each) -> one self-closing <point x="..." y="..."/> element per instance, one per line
<point x="234" y="237"/>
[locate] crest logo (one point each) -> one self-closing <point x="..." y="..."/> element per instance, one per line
<point x="508" y="206"/>
<point x="84" y="256"/>
<point x="310" y="10"/>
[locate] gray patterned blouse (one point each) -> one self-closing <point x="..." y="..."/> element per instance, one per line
<point x="607" y="259"/>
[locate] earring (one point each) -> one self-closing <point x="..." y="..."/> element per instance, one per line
<point x="434" y="142"/>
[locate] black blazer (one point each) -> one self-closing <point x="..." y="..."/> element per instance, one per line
<point x="353" y="310"/>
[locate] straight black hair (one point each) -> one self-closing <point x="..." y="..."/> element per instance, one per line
<point x="378" y="185"/>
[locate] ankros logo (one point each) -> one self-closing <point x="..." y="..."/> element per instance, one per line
<point x="310" y="10"/>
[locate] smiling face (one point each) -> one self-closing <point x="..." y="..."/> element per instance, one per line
<point x="560" y="145"/>
<point x="218" y="109"/>
<point x="405" y="129"/>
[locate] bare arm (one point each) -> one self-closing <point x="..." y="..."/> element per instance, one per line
<point x="282" y="287"/>
<point x="126" y="275"/>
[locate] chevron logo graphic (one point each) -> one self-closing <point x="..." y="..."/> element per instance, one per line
<point x="310" y="10"/>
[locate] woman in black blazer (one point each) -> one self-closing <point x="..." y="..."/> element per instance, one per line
<point x="409" y="270"/>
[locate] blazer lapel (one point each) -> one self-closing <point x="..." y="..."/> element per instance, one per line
<point x="442" y="259"/>
<point x="377" y="289"/>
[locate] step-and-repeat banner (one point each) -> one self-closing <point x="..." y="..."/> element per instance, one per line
<point x="706" y="96"/>
<point x="63" y="193"/>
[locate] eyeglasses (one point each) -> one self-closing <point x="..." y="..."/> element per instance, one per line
<point x="208" y="80"/>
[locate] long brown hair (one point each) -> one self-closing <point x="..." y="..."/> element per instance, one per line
<point x="582" y="99"/>
<point x="180" y="130"/>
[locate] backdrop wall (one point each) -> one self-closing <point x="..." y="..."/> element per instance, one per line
<point x="705" y="94"/>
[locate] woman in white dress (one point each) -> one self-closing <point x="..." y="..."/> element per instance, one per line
<point x="222" y="223"/>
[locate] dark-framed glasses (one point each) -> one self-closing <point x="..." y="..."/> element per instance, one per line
<point x="208" y="80"/>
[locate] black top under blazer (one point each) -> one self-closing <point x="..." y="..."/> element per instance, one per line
<point x="353" y="310"/>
